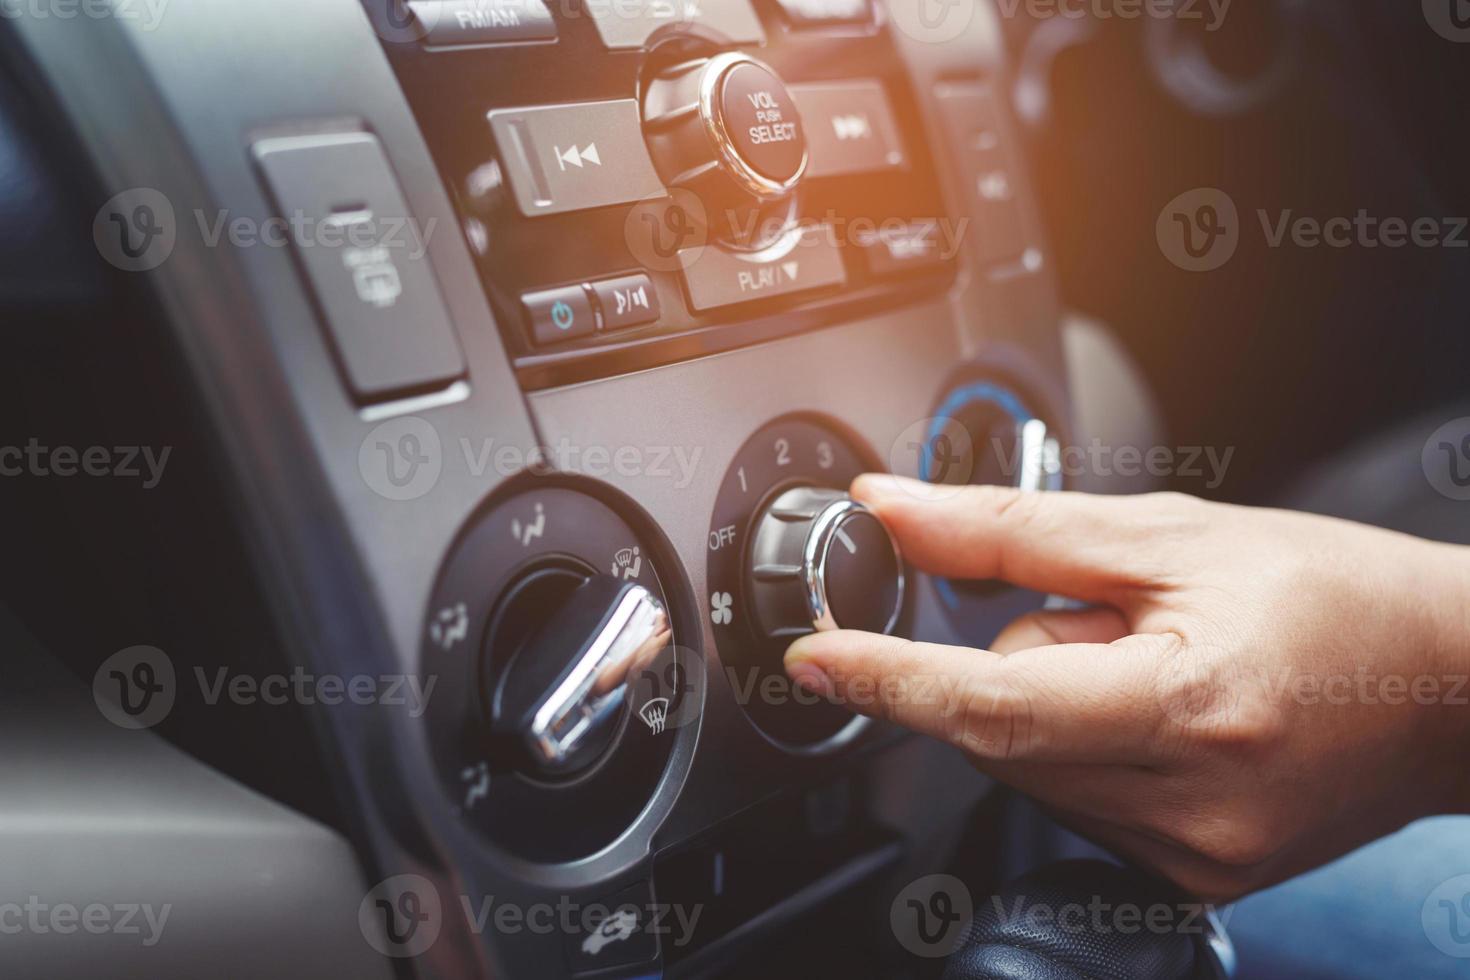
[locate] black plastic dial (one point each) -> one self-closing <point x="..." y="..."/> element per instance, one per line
<point x="515" y="565"/>
<point x="787" y="453"/>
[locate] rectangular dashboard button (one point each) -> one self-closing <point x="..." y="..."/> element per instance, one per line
<point x="365" y="260"/>
<point x="559" y="315"/>
<point x="629" y="23"/>
<point x="570" y="157"/>
<point x="716" y="277"/>
<point x="626" y="301"/>
<point x="616" y="933"/>
<point x="850" y="128"/>
<point x="454" y="22"/>
<point x="894" y="249"/>
<point x="973" y="116"/>
<point x="814" y="13"/>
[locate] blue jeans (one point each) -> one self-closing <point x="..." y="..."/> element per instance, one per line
<point x="1392" y="909"/>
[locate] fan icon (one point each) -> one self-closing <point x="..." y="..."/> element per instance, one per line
<point x="720" y="604"/>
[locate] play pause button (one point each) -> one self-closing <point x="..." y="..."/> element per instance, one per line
<point x="716" y="277"/>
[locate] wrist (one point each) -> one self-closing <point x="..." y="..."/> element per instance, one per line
<point x="1449" y="640"/>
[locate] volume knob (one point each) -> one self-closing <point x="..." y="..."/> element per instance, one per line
<point x="726" y="129"/>
<point x="820" y="560"/>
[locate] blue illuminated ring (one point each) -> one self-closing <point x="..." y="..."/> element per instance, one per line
<point x="956" y="402"/>
<point x="959" y="399"/>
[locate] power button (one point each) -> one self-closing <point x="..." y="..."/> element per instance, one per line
<point x="559" y="315"/>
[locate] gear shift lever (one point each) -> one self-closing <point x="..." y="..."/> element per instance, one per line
<point x="1089" y="920"/>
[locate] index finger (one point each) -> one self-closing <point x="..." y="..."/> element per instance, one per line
<point x="1085" y="546"/>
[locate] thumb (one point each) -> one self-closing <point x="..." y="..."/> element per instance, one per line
<point x="1079" y="702"/>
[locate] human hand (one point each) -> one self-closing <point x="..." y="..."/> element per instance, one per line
<point x="1252" y="692"/>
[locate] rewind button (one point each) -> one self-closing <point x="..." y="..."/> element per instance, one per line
<point x="577" y="158"/>
<point x="570" y="157"/>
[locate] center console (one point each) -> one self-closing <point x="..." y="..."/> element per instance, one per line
<point x="640" y="189"/>
<point x="725" y="230"/>
<point x="622" y="297"/>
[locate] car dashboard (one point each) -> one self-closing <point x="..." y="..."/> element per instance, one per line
<point x="454" y="312"/>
